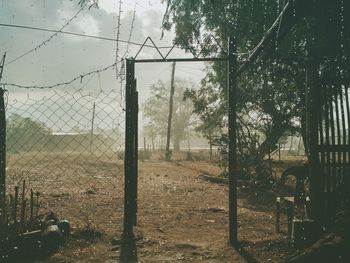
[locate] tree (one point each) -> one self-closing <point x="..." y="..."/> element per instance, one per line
<point x="156" y="108"/>
<point x="273" y="87"/>
<point x="25" y="134"/>
<point x="247" y="21"/>
<point x="150" y="132"/>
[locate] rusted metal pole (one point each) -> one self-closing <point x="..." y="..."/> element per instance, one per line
<point x="37" y="204"/>
<point x="2" y="146"/>
<point x="23" y="207"/>
<point x="2" y="152"/>
<point x="31" y="209"/>
<point x="232" y="132"/>
<point x="14" y="208"/>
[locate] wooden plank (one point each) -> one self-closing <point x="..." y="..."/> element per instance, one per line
<point x="327" y="137"/>
<point x="348" y="121"/>
<point x="321" y="142"/>
<point x="332" y="174"/>
<point x="343" y="137"/>
<point x="338" y="141"/>
<point x="343" y="164"/>
<point x="329" y="148"/>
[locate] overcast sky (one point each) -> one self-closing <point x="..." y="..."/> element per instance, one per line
<point x="65" y="57"/>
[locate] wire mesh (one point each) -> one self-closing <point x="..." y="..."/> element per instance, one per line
<point x="73" y="126"/>
<point x="69" y="146"/>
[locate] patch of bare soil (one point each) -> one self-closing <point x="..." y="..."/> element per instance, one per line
<point x="181" y="217"/>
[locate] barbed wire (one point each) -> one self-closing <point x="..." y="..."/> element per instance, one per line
<point x="79" y="77"/>
<point x="80" y="35"/>
<point x="49" y="39"/>
<point x="121" y="73"/>
<point x="131" y="29"/>
<point x="118" y="33"/>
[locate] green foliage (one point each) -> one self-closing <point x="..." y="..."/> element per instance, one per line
<point x="89" y="3"/>
<point x="261" y="93"/>
<point x="271" y="93"/>
<point x="25" y="134"/>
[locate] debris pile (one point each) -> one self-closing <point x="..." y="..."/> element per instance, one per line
<point x="24" y="232"/>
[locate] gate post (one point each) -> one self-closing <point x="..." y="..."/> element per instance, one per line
<point x="136" y="147"/>
<point x="128" y="248"/>
<point x="232" y="141"/>
<point x="130" y="148"/>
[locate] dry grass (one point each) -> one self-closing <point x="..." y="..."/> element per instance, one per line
<point x="181" y="217"/>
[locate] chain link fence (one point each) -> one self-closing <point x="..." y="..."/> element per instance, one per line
<point x="69" y="147"/>
<point x="64" y="129"/>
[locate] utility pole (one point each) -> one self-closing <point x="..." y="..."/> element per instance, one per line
<point x="2" y="64"/>
<point x="92" y="126"/>
<point x="2" y="146"/>
<point x="188" y="140"/>
<point x="172" y="91"/>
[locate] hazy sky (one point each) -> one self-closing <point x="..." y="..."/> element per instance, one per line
<point x="66" y="56"/>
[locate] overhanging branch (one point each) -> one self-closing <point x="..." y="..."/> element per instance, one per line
<point x="276" y="33"/>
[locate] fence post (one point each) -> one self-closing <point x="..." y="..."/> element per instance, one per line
<point x="232" y="132"/>
<point x="2" y="152"/>
<point x="129" y="150"/>
<point x="136" y="149"/>
<point x="128" y="249"/>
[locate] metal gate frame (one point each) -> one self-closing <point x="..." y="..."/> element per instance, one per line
<point x="131" y="141"/>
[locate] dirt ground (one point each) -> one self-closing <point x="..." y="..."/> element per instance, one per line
<point x="181" y="216"/>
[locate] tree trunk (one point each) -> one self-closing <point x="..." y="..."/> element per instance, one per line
<point x="176" y="144"/>
<point x="291" y="144"/>
<point x="153" y="147"/>
<point x="210" y="148"/>
<point x="171" y="101"/>
<point x="275" y="133"/>
<point x="304" y="136"/>
<point x="299" y="145"/>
